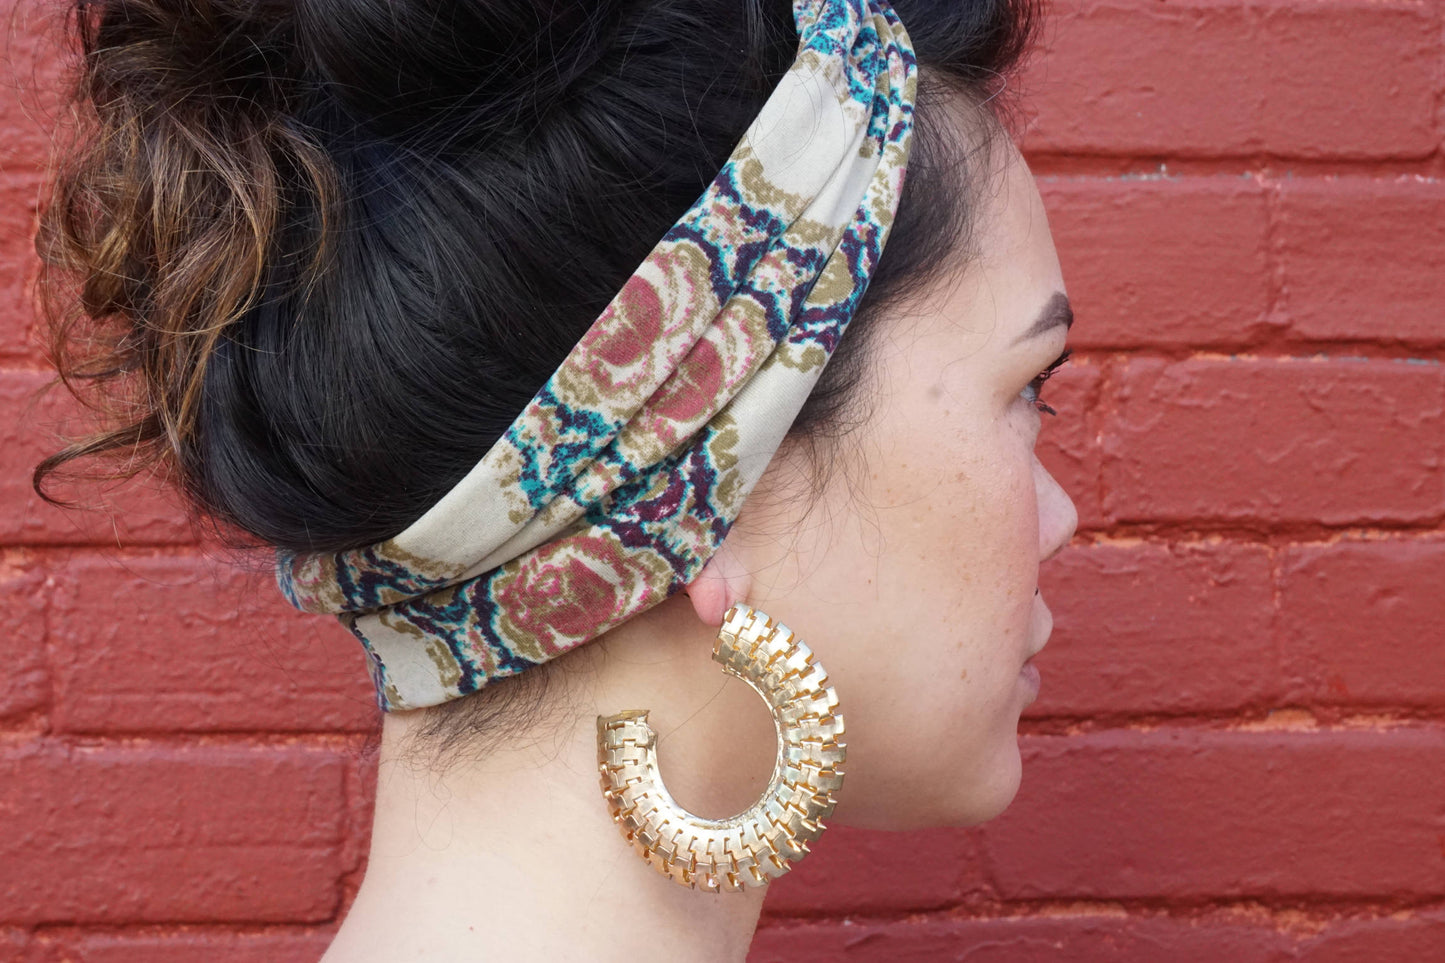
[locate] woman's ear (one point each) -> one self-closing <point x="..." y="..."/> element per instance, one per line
<point x="722" y="583"/>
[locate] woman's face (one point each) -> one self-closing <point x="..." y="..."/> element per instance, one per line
<point x="914" y="576"/>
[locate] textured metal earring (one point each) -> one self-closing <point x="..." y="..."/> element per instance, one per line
<point x="764" y="841"/>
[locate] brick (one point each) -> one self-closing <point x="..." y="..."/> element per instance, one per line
<point x="1182" y="814"/>
<point x="1360" y="259"/>
<point x="18" y="197"/>
<point x="31" y="428"/>
<point x="172" y="644"/>
<point x="1334" y="79"/>
<point x="1399" y="936"/>
<point x="1361" y="623"/>
<point x="856" y="870"/>
<point x="1103" y="938"/>
<point x="1162" y="262"/>
<point x="12" y="944"/>
<point x="189" y="946"/>
<point x="361" y="784"/>
<point x="158" y="834"/>
<point x="1158" y="628"/>
<point x="1332" y="441"/>
<point x="22" y="644"/>
<point x="1029" y="939"/>
<point x="1069" y="443"/>
<point x="35" y="86"/>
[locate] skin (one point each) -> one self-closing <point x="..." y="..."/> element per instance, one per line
<point x="913" y="576"/>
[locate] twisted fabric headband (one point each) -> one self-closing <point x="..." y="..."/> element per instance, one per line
<point x="622" y="476"/>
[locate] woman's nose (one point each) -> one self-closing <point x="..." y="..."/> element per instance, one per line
<point x="1058" y="518"/>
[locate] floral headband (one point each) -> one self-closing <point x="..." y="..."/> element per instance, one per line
<point x="623" y="474"/>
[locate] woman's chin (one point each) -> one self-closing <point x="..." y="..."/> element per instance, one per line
<point x="994" y="792"/>
<point x="976" y="799"/>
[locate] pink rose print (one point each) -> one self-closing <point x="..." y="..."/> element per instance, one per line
<point x="640" y="311"/>
<point x="559" y="598"/>
<point x="695" y="386"/>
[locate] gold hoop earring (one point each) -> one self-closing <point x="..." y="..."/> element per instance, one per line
<point x="763" y="842"/>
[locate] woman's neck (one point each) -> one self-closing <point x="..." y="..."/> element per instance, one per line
<point x="515" y="857"/>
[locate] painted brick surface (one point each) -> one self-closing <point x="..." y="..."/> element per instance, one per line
<point x="1360" y="259"/>
<point x="184" y="662"/>
<point x="1362" y="622"/>
<point x="186" y="946"/>
<point x="13" y="944"/>
<point x="1162" y="261"/>
<point x="1406" y="936"/>
<point x="1257" y="441"/>
<point x="34" y="91"/>
<point x="1078" y="938"/>
<point x="1238" y="750"/>
<point x="31" y="421"/>
<point x="1081" y="937"/>
<point x="1157" y="628"/>
<point x="148" y="834"/>
<point x="1211" y="78"/>
<point x="18" y="198"/>
<point x="1194" y="814"/>
<point x="862" y="873"/>
<point x="22" y="644"/>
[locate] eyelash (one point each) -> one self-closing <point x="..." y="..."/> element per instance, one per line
<point x="1036" y="387"/>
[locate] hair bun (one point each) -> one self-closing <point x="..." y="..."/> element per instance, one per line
<point x="173" y="52"/>
<point x="453" y="66"/>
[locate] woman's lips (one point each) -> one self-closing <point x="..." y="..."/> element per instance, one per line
<point x="1047" y="628"/>
<point x="1029" y="674"/>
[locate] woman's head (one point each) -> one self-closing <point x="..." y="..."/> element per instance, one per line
<point x="915" y="571"/>
<point x="341" y="250"/>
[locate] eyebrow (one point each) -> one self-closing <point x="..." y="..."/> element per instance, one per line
<point x="1058" y="311"/>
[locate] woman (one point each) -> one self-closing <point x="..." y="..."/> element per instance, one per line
<point x="386" y="285"/>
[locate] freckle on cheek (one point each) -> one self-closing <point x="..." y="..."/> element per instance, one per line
<point x="963" y="674"/>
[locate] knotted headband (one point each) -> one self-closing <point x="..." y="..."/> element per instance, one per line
<point x="623" y="474"/>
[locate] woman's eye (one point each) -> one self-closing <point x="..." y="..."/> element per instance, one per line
<point x="1032" y="393"/>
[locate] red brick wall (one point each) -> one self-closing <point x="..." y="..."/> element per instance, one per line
<point x="1240" y="749"/>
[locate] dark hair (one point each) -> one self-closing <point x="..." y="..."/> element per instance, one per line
<point x="326" y="250"/>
